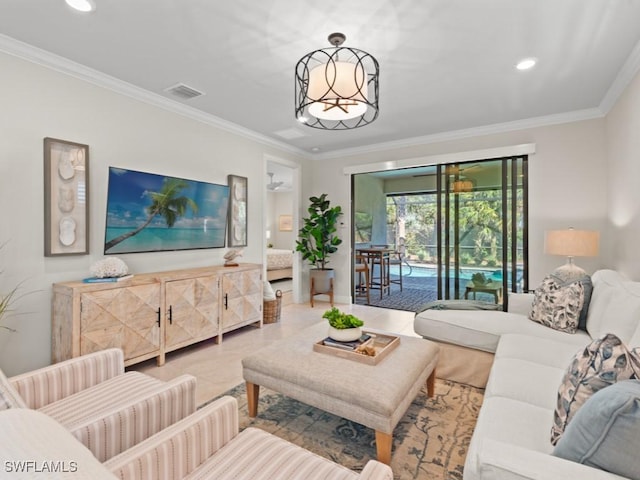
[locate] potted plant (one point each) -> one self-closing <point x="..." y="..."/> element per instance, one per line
<point x="343" y="327"/>
<point x="317" y="240"/>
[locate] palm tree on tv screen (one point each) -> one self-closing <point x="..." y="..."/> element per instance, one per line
<point x="165" y="203"/>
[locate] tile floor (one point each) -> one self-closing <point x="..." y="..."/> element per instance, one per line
<point x="218" y="367"/>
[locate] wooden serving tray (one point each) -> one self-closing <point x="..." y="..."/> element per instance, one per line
<point x="381" y="342"/>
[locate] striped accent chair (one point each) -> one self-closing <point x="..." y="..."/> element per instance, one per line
<point x="107" y="409"/>
<point x="205" y="445"/>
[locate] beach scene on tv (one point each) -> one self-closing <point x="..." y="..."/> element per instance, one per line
<point x="147" y="212"/>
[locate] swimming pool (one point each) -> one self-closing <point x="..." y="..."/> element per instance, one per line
<point x="428" y="271"/>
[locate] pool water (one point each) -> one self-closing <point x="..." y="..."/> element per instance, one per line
<point x="431" y="272"/>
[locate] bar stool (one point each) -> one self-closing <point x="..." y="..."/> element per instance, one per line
<point x="397" y="258"/>
<point x="380" y="258"/>
<point x="362" y="267"/>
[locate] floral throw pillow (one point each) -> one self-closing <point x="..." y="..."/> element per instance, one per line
<point x="603" y="362"/>
<point x="558" y="304"/>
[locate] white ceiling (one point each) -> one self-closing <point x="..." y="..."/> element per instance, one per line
<point x="445" y="65"/>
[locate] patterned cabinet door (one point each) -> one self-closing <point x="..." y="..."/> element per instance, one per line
<point x="121" y="317"/>
<point x="242" y="297"/>
<point x="253" y="295"/>
<point x="192" y="310"/>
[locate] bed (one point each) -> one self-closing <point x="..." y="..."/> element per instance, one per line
<point x="279" y="264"/>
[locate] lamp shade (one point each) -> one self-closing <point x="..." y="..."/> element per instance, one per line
<point x="572" y="243"/>
<point x="338" y="91"/>
<point x="336" y="88"/>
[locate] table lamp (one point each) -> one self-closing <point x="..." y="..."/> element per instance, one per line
<point x="571" y="243"/>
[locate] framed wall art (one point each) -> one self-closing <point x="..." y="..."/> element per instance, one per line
<point x="285" y="223"/>
<point x="238" y="194"/>
<point x="66" y="198"/>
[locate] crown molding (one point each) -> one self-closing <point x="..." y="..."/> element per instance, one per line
<point x="63" y="65"/>
<point x="626" y="74"/>
<point x="556" y="119"/>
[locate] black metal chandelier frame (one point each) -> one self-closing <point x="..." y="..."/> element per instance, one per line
<point x="366" y="89"/>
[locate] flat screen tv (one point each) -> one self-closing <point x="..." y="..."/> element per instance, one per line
<point x="147" y="212"/>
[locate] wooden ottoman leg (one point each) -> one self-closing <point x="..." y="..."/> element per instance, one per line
<point x="431" y="384"/>
<point x="253" y="393"/>
<point x="383" y="446"/>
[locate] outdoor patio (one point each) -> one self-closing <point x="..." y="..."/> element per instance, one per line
<point x="419" y="287"/>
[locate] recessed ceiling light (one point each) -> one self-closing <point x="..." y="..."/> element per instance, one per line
<point x="315" y="149"/>
<point x="526" y="63"/>
<point x="82" y="5"/>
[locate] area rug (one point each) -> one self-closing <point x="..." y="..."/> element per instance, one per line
<point x="430" y="441"/>
<point x="415" y="294"/>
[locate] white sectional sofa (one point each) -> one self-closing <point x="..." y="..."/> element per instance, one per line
<point x="512" y="436"/>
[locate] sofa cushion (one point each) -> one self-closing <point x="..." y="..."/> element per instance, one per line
<point x="99" y="400"/>
<point x="541" y="351"/>
<point x="614" y="307"/>
<point x="604" y="432"/>
<point x="9" y="397"/>
<point x="603" y="362"/>
<point x="482" y="330"/>
<point x="558" y="303"/>
<point x="510" y="421"/>
<point x="525" y="381"/>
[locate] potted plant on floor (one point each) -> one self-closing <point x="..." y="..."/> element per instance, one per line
<point x="317" y="240"/>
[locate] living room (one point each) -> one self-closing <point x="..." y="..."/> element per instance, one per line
<point x="580" y="175"/>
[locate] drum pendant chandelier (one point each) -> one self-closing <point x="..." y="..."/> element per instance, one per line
<point x="337" y="88"/>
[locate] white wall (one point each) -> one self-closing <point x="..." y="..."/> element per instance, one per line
<point x="38" y="102"/>
<point x="567" y="187"/>
<point x="623" y="152"/>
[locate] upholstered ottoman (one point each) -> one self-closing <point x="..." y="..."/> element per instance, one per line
<point x="376" y="396"/>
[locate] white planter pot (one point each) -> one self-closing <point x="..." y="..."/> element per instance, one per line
<point x="345" y="334"/>
<point x="322" y="280"/>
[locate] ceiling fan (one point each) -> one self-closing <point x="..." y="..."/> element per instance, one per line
<point x="273" y="185"/>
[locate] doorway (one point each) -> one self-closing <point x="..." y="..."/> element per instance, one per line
<point x="462" y="227"/>
<point x="281" y="201"/>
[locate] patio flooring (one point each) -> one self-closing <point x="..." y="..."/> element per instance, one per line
<point x="417" y="292"/>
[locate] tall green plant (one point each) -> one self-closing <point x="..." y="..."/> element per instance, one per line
<point x="317" y="238"/>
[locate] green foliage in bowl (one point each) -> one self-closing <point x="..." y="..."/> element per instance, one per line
<point x="479" y="279"/>
<point x="341" y="320"/>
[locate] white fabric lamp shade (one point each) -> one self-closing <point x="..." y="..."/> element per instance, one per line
<point x="572" y="243"/>
<point x="338" y="90"/>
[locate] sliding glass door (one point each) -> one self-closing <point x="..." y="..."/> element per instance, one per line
<point x="481" y="221"/>
<point x="460" y="229"/>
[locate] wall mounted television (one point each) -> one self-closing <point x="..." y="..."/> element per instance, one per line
<point x="147" y="212"/>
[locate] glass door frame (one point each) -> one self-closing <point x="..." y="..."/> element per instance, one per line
<point x="510" y="175"/>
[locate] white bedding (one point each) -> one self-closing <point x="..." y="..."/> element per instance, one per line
<point x="279" y="258"/>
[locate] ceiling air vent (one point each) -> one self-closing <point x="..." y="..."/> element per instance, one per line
<point x="183" y="91"/>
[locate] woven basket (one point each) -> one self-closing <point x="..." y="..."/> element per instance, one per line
<point x="271" y="309"/>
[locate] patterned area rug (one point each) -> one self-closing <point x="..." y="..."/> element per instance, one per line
<point x="430" y="441"/>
